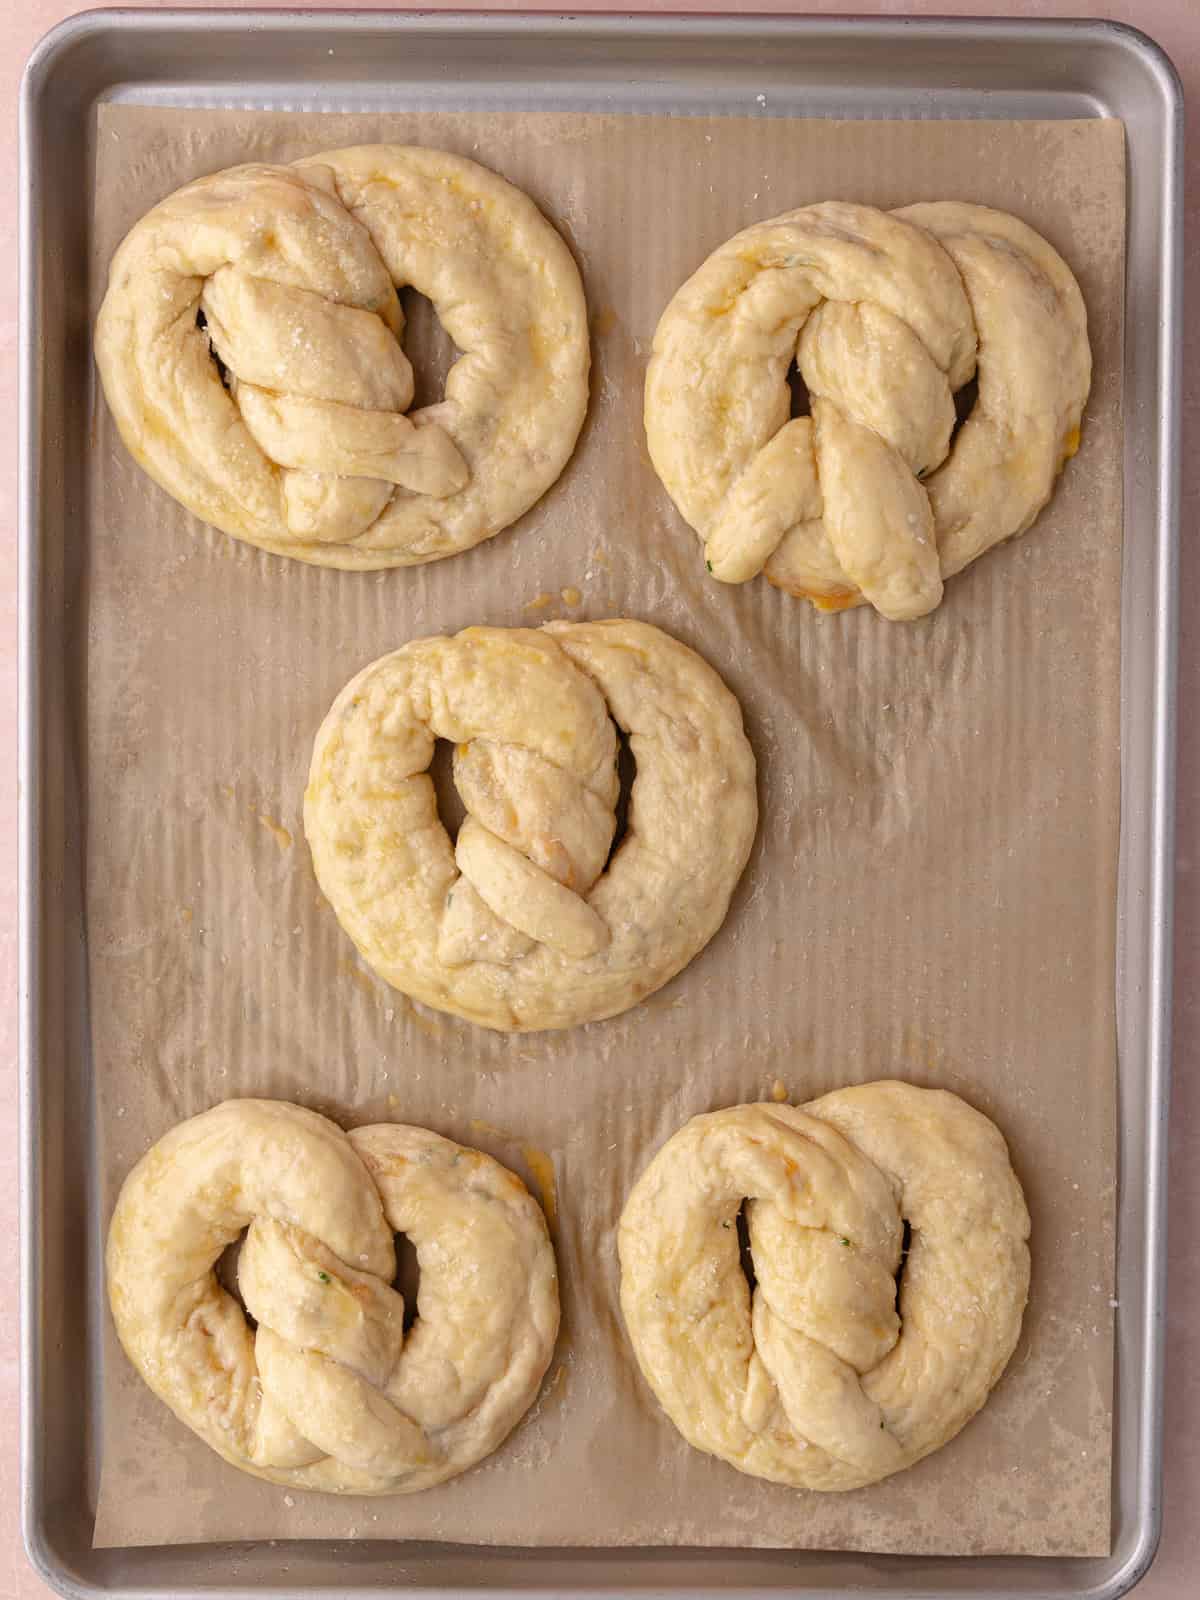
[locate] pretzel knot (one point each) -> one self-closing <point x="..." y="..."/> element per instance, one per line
<point x="887" y="316"/>
<point x="328" y="1392"/>
<point x="536" y="834"/>
<point x="315" y="366"/>
<point x="295" y="437"/>
<point x="524" y="921"/>
<point x="824" y="1376"/>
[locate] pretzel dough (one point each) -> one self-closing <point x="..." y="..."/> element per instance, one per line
<point x="886" y="314"/>
<point x="520" y="924"/>
<point x="330" y="1393"/>
<point x="814" y="1380"/>
<point x="290" y="274"/>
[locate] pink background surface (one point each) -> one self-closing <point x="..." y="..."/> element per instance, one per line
<point x="1176" y="26"/>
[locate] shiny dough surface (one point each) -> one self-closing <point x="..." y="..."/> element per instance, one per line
<point x="523" y="922"/>
<point x="330" y="1393"/>
<point x="887" y="315"/>
<point x="819" y="1378"/>
<point x="302" y="442"/>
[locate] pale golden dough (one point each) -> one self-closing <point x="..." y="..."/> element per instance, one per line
<point x="815" y="1381"/>
<point x="520" y="924"/>
<point x="329" y="1393"/>
<point x="887" y="315"/>
<point x="294" y="270"/>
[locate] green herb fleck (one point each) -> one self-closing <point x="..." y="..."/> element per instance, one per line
<point x="726" y="1224"/>
<point x="324" y="1277"/>
<point x="881" y="1422"/>
<point x="846" y="1242"/>
<point x="708" y="564"/>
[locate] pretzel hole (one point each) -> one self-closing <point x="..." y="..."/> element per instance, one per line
<point x="964" y="404"/>
<point x="626" y="773"/>
<point x="407" y="1281"/>
<point x="449" y="803"/>
<point x="801" y="399"/>
<point x="222" y="369"/>
<point x="226" y="1270"/>
<point x="428" y="347"/>
<point x="905" y="1246"/>
<point x="744" y="1252"/>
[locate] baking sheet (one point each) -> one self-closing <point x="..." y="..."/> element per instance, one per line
<point x="932" y="893"/>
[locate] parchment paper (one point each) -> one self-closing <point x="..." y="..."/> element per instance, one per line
<point x="932" y="893"/>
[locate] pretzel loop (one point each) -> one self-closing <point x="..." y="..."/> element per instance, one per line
<point x="296" y="436"/>
<point x="327" y="1392"/>
<point x="887" y="315"/>
<point x="824" y="1376"/>
<point x="529" y="918"/>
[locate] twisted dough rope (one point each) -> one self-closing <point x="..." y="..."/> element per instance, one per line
<point x="867" y="500"/>
<point x="290" y="273"/>
<point x="329" y="1394"/>
<point x="815" y="1380"/>
<point x="520" y="924"/>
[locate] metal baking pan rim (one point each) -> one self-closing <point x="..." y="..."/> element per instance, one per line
<point x="616" y="23"/>
<point x="49" y="57"/>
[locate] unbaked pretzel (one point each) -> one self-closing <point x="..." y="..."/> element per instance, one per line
<point x="823" y="1377"/>
<point x="329" y="1393"/>
<point x="520" y="924"/>
<point x="289" y="274"/>
<point x="867" y="500"/>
